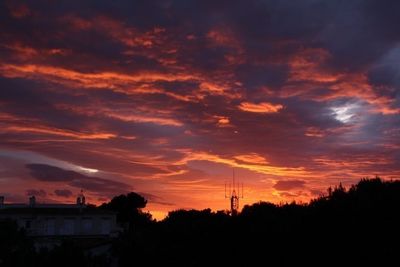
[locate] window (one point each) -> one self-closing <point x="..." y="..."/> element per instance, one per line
<point x="50" y="226"/>
<point x="68" y="226"/>
<point x="87" y="225"/>
<point x="105" y="226"/>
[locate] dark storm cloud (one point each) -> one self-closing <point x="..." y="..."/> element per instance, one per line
<point x="47" y="173"/>
<point x="34" y="100"/>
<point x="63" y="192"/>
<point x="386" y="73"/>
<point x="36" y="192"/>
<point x="256" y="76"/>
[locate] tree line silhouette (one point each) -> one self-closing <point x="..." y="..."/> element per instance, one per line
<point x="354" y="226"/>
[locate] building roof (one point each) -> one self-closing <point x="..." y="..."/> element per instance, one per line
<point x="52" y="209"/>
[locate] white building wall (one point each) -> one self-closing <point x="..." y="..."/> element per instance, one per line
<point x="61" y="225"/>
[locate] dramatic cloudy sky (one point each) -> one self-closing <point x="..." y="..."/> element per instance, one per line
<point x="165" y="98"/>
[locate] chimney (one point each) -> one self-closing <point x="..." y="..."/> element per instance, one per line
<point x="32" y="201"/>
<point x="80" y="200"/>
<point x="1" y="202"/>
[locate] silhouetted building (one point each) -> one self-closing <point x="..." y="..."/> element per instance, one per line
<point x="57" y="220"/>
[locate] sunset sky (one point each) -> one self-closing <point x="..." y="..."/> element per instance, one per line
<point x="166" y="98"/>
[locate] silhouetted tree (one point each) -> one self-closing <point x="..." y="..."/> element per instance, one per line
<point x="128" y="208"/>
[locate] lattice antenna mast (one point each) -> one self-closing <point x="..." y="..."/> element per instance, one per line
<point x="234" y="194"/>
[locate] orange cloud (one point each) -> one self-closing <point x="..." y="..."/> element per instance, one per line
<point x="56" y="131"/>
<point x="95" y="80"/>
<point x="263" y="107"/>
<point x="147" y="89"/>
<point x="223" y="36"/>
<point x="19" y="11"/>
<point x="140" y="114"/>
<point x="213" y="88"/>
<point x="357" y="162"/>
<point x="222" y="121"/>
<point x="314" y="132"/>
<point x="306" y="66"/>
<point x="252" y="158"/>
<point x="260" y="165"/>
<point x="135" y="83"/>
<point x="21" y="50"/>
<point x="117" y="30"/>
<point x="143" y="118"/>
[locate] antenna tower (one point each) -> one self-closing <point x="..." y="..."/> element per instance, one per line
<point x="232" y="191"/>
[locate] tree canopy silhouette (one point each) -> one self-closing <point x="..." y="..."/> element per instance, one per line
<point x="128" y="208"/>
<point x="359" y="224"/>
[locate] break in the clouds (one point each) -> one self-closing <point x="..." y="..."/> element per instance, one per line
<point x="166" y="97"/>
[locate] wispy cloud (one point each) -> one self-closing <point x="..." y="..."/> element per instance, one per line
<point x="263" y="107"/>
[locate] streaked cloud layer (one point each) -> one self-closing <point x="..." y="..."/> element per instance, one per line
<point x="166" y="97"/>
